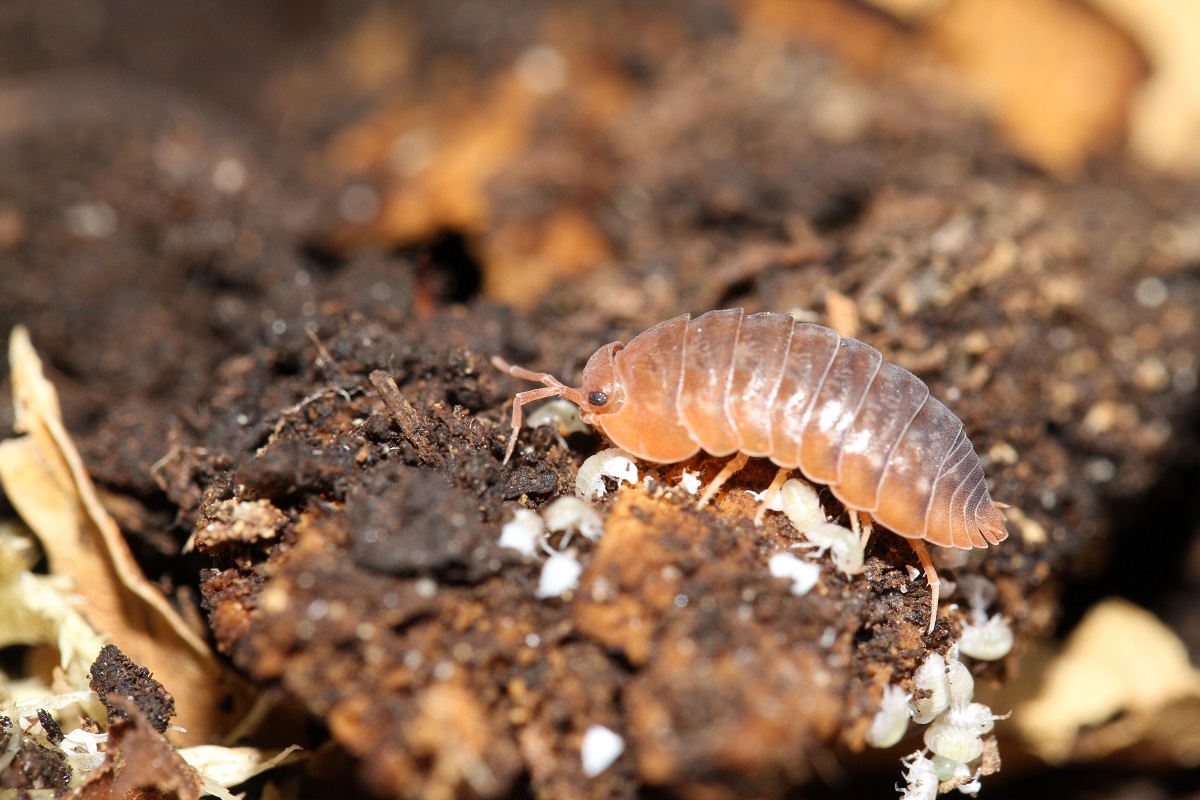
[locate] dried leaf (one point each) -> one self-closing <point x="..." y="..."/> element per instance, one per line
<point x="142" y="763"/>
<point x="44" y="477"/>
<point x="1121" y="674"/>
<point x="230" y="766"/>
<point x="1165" y="124"/>
<point x="1056" y="78"/>
<point x="39" y="610"/>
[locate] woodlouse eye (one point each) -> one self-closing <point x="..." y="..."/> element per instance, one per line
<point x="597" y="398"/>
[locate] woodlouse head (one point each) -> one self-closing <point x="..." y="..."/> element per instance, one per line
<point x="602" y="392"/>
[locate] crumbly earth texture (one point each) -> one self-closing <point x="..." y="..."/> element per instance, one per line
<point x="114" y="675"/>
<point x="326" y="421"/>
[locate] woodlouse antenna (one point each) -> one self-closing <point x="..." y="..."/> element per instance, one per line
<point x="554" y="388"/>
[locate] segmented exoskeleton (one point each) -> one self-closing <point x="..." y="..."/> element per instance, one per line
<point x="763" y="385"/>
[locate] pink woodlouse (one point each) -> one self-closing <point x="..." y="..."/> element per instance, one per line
<point x="763" y="385"/>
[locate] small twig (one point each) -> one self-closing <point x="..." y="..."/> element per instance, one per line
<point x="405" y="416"/>
<point x="326" y="357"/>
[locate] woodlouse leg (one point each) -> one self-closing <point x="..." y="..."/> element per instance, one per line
<point x="554" y="388"/>
<point x="520" y="400"/>
<point x="733" y="465"/>
<point x="867" y="529"/>
<point x="935" y="583"/>
<point x="770" y="494"/>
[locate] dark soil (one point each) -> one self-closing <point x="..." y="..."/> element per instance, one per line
<point x="228" y="362"/>
<point x="114" y="674"/>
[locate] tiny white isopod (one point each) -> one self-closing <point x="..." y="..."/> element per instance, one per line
<point x="920" y="776"/>
<point x="933" y="686"/>
<point x="978" y="591"/>
<point x="560" y="414"/>
<point x="523" y="532"/>
<point x="572" y="514"/>
<point x="972" y="717"/>
<point x="962" y="683"/>
<point x="802" y="574"/>
<point x="611" y="463"/>
<point x="560" y="574"/>
<point x="690" y="481"/>
<point x="986" y="638"/>
<point x="799" y="502"/>
<point x="953" y="742"/>
<point x="843" y="545"/>
<point x="890" y="722"/>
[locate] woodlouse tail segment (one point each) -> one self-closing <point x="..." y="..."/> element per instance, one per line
<point x="554" y="388"/>
<point x="991" y="522"/>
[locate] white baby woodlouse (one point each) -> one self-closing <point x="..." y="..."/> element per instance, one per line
<point x="983" y="637"/>
<point x="974" y="717"/>
<point x="845" y="548"/>
<point x="920" y="776"/>
<point x="953" y="742"/>
<point x="959" y="678"/>
<point x="560" y="574"/>
<point x="561" y="415"/>
<point x="890" y="722"/>
<point x="611" y="463"/>
<point x="987" y="639"/>
<point x="523" y="532"/>
<point x="799" y="502"/>
<point x="933" y="685"/>
<point x="568" y="514"/>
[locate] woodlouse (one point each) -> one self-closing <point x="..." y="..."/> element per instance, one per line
<point x="764" y="385"/>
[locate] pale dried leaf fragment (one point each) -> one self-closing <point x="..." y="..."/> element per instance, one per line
<point x="43" y="475"/>
<point x="39" y="610"/>
<point x="1056" y="78"/>
<point x="226" y="767"/>
<point x="1165" y="121"/>
<point x="1123" y="676"/>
